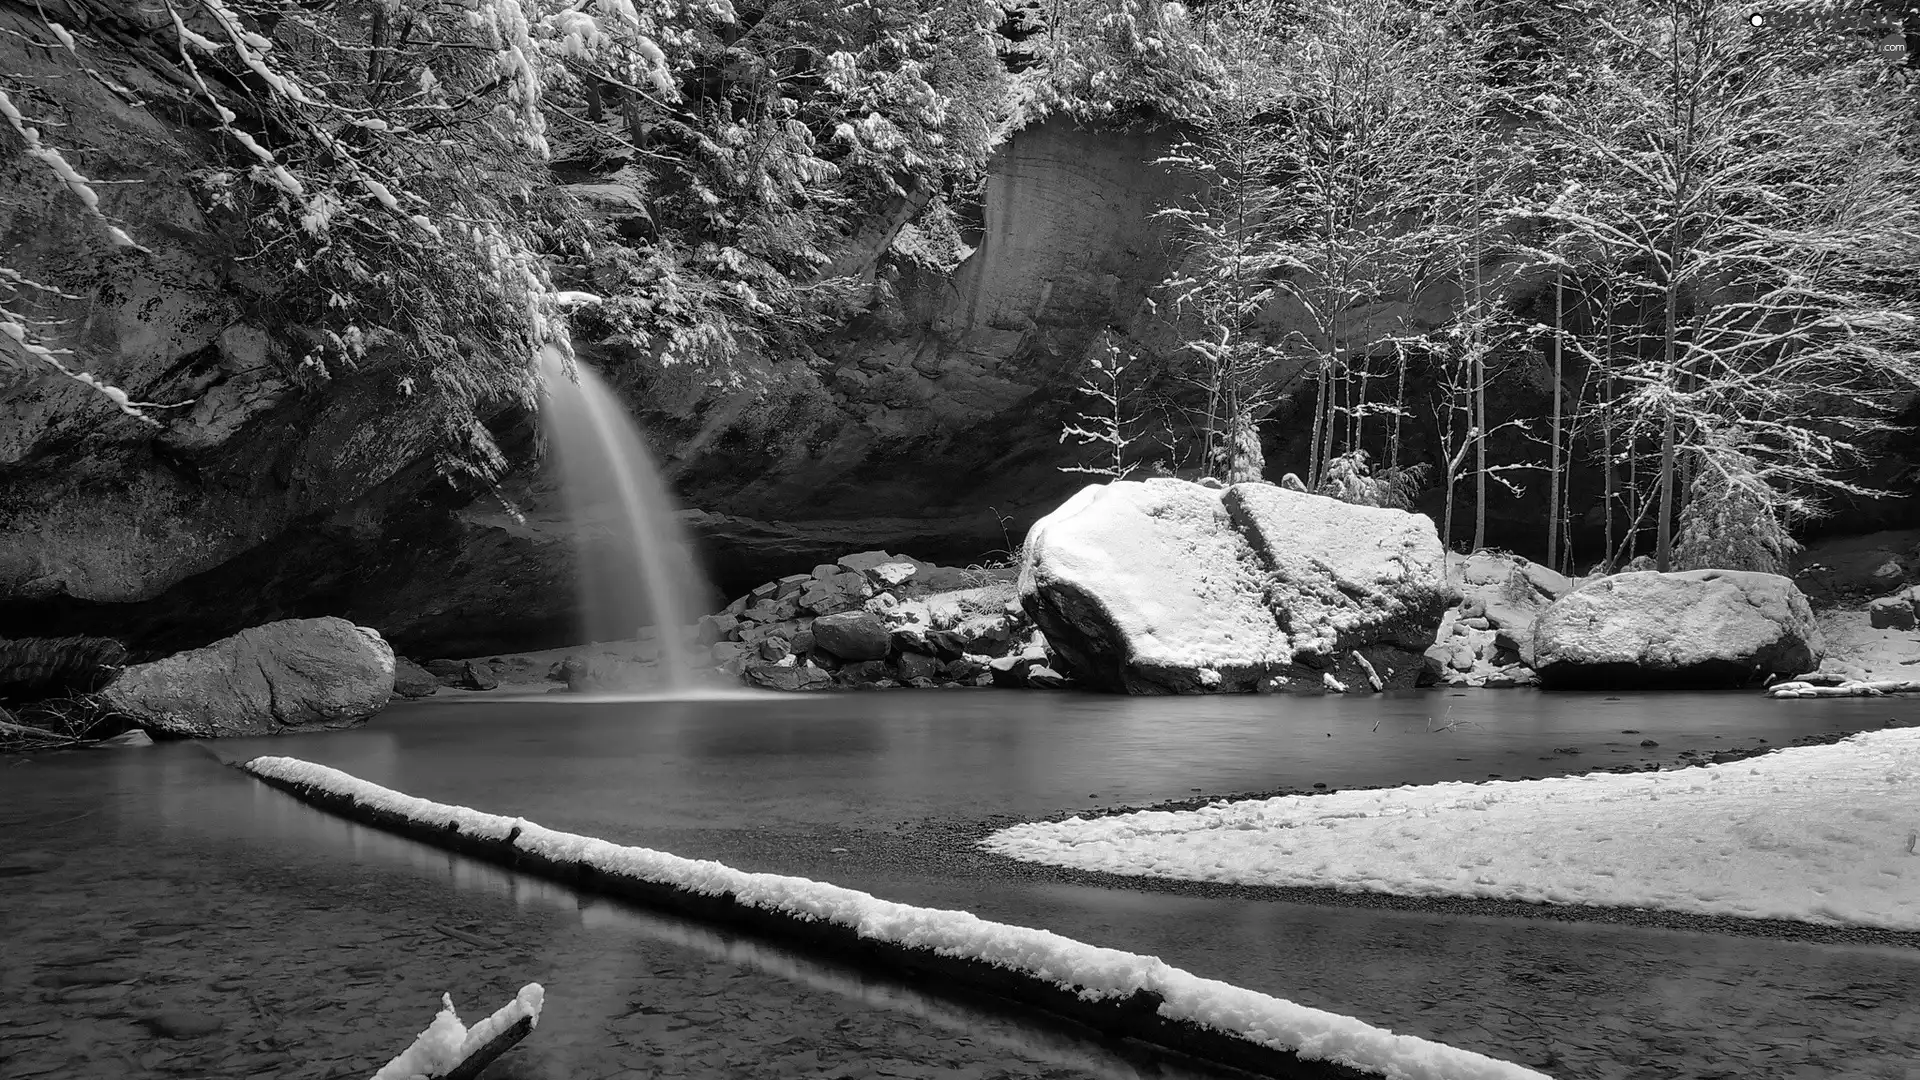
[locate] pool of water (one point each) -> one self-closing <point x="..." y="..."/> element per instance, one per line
<point x="165" y="916"/>
<point x="877" y="791"/>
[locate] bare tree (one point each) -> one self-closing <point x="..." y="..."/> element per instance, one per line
<point x="1112" y="421"/>
<point x="1744" y="187"/>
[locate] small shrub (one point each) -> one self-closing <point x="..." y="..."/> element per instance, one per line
<point x="35" y="668"/>
<point x="1350" y="479"/>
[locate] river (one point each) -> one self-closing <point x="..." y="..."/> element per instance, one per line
<point x="333" y="942"/>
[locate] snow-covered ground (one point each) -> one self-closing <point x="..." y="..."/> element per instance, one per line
<point x="1859" y="651"/>
<point x="1822" y="834"/>
<point x="1093" y="972"/>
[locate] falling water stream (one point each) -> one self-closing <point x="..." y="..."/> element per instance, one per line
<point x="636" y="568"/>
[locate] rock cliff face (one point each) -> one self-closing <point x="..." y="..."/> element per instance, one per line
<point x="274" y="494"/>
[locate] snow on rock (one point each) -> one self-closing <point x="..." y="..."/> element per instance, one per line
<point x="1092" y="972"/>
<point x="1696" y="628"/>
<point x="292" y="675"/>
<point x="870" y="619"/>
<point x="1347" y="578"/>
<point x="1488" y="639"/>
<point x="1814" y="834"/>
<point x="1166" y="586"/>
<point x="1142" y="586"/>
<point x="1861" y="651"/>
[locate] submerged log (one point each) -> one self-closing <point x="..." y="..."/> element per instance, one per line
<point x="483" y="1055"/>
<point x="449" y="1050"/>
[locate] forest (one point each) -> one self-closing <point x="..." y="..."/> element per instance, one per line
<point x="1692" y="235"/>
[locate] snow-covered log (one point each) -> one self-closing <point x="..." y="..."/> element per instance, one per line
<point x="1124" y="994"/>
<point x="449" y="1050"/>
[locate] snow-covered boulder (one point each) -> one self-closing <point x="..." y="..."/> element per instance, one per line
<point x="1695" y="628"/>
<point x="295" y="675"/>
<point x="1166" y="586"/>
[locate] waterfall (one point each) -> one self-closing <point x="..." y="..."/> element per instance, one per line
<point x="636" y="568"/>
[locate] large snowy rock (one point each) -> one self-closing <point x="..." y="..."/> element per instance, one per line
<point x="1696" y="628"/>
<point x="1169" y="587"/>
<point x="296" y="675"/>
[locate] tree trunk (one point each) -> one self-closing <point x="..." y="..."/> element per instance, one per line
<point x="1553" y="492"/>
<point x="1609" y="477"/>
<point x="1399" y="407"/>
<point x="1479" y="386"/>
<point x="1633" y="499"/>
<point x="1670" y="332"/>
<point x="1663" y="545"/>
<point x="1319" y="422"/>
<point x="484" y="1056"/>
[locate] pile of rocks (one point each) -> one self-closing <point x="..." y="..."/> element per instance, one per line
<point x="1488" y="639"/>
<point x="874" y="619"/>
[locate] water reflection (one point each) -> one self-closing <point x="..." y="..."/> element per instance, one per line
<point x="1046" y="1043"/>
<point x="273" y="940"/>
<point x="877" y="758"/>
<point x="289" y="824"/>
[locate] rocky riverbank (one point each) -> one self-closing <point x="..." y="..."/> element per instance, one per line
<point x="879" y="620"/>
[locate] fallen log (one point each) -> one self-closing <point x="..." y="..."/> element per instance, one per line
<point x="1114" y="992"/>
<point x="482" y="1056"/>
<point x="449" y="1050"/>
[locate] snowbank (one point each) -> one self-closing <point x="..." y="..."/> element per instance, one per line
<point x="1133" y="995"/>
<point x="1818" y="834"/>
<point x="1859" y="650"/>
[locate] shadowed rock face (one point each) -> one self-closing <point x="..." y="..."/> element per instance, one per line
<point x="271" y="499"/>
<point x="297" y="675"/>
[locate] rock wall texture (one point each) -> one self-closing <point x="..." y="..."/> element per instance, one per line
<point x="274" y="495"/>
